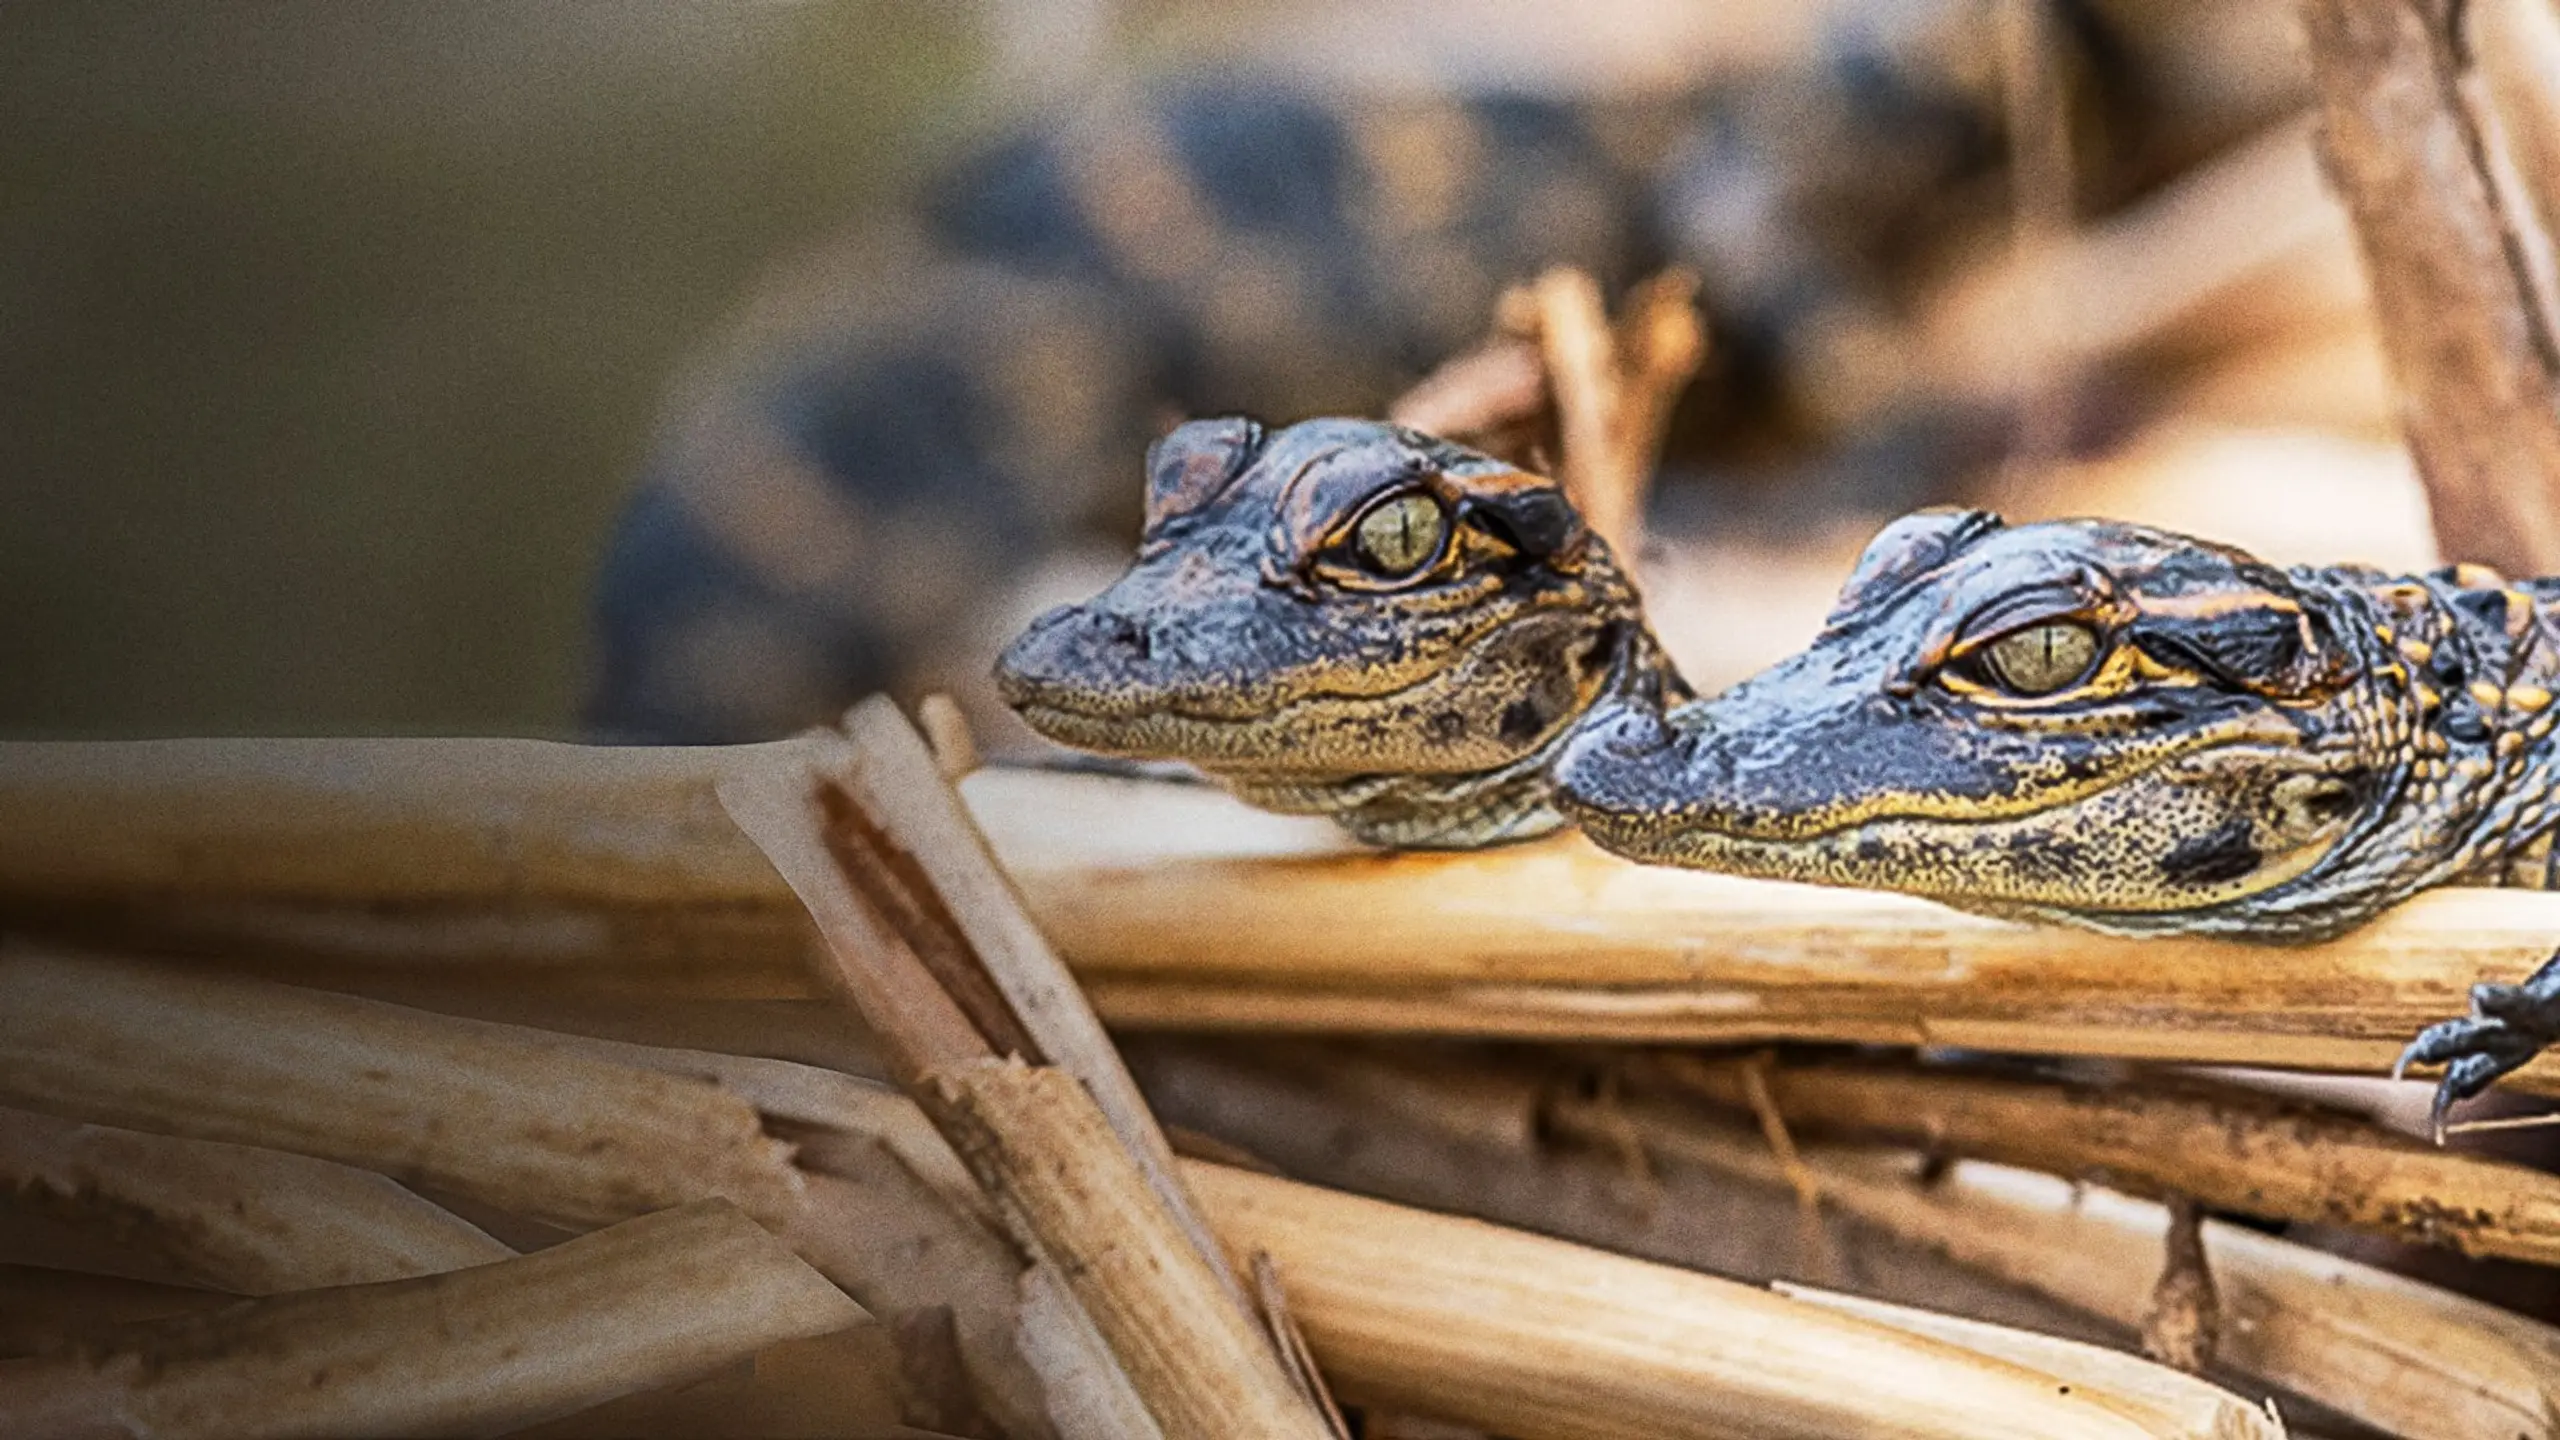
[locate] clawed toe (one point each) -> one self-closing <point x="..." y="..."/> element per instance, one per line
<point x="2508" y="1025"/>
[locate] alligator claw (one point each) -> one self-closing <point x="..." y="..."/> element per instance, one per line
<point x="2508" y="1025"/>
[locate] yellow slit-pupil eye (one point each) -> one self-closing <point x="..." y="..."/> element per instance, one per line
<point x="1400" y="535"/>
<point x="2043" y="658"/>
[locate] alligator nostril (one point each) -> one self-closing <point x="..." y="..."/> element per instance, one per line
<point x="1127" y="632"/>
<point x="1628" y="731"/>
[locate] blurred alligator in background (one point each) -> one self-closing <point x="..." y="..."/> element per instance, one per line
<point x="909" y="421"/>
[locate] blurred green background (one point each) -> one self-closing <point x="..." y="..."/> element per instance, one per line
<point x="332" y="335"/>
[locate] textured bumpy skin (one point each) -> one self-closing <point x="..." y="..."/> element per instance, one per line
<point x="1416" y="695"/>
<point x="2268" y="754"/>
<point x="2128" y="730"/>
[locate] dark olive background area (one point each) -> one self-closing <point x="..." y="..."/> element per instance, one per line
<point x="332" y="333"/>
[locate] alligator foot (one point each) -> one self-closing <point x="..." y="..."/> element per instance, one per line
<point x="2508" y="1025"/>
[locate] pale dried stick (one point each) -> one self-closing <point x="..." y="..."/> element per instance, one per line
<point x="2405" y="1357"/>
<point x="946" y="730"/>
<point x="653" y="1301"/>
<point x="1569" y="1343"/>
<point x="43" y="1309"/>
<point x="1492" y="398"/>
<point x="250" y="1221"/>
<point x="2163" y="1395"/>
<point x="883" y="767"/>
<point x="574" y="1131"/>
<point x="2233" y="1149"/>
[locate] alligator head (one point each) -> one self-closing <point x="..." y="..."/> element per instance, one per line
<point x="2098" y="723"/>
<point x="1348" y="618"/>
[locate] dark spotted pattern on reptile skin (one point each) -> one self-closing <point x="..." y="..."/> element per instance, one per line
<point x="1416" y="693"/>
<point x="2272" y="755"/>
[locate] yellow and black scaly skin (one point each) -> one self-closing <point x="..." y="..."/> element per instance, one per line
<point x="2128" y="730"/>
<point x="1350" y="619"/>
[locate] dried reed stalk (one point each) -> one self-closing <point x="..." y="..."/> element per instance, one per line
<point x="1614" y="390"/>
<point x="838" y="1118"/>
<point x="573" y="1131"/>
<point x="2166" y="1399"/>
<point x="2405" y="1357"/>
<point x="652" y="1301"/>
<point x="1043" y="1150"/>
<point x="43" y="1309"/>
<point x="2460" y="268"/>
<point x="2232" y="1149"/>
<point x="931" y="944"/>
<point x="1177" y="907"/>
<point x="1567" y="1343"/>
<point x="250" y="1221"/>
<point x="841" y="1386"/>
<point x="1492" y="398"/>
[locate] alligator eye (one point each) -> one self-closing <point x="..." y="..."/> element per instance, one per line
<point x="1400" y="534"/>
<point x="2041" y="658"/>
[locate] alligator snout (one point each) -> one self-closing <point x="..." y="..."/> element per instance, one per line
<point x="1626" y="758"/>
<point x="1075" y="651"/>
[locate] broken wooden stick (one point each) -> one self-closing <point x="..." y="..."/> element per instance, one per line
<point x="1614" y="389"/>
<point x="2233" y="1149"/>
<point x="2403" y="1356"/>
<point x="1568" y="1342"/>
<point x="563" y="1129"/>
<point x="232" y="1217"/>
<point x="652" y="1301"/>
<point x="988" y="1034"/>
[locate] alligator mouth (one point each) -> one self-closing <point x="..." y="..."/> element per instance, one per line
<point x="1633" y="782"/>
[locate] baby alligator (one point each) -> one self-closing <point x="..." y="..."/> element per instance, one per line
<point x="1350" y="619"/>
<point x="2131" y="731"/>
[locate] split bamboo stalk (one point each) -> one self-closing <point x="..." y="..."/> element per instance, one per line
<point x="1177" y="907"/>
<point x="652" y="1301"/>
<point x="972" y="1008"/>
<point x="1567" y="1343"/>
<point x="885" y="769"/>
<point x="2400" y="1355"/>
<point x="2460" y="269"/>
<point x="2228" y="1148"/>
<point x="1044" y="1151"/>
<point x="250" y="1221"/>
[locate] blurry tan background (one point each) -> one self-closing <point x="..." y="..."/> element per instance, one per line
<point x="331" y="335"/>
